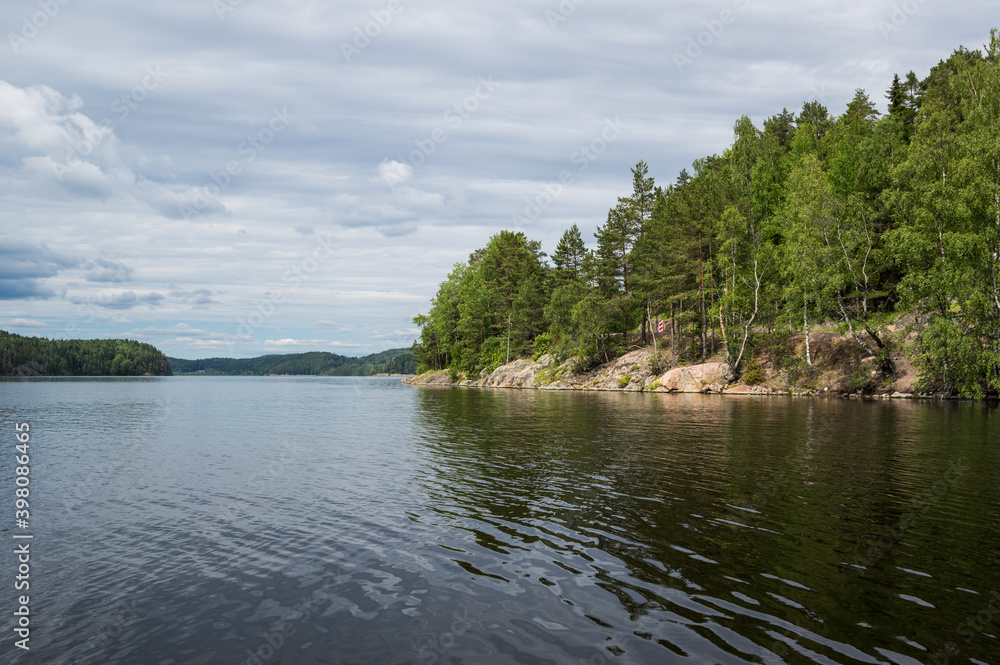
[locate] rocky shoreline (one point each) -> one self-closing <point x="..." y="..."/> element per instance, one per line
<point x="838" y="368"/>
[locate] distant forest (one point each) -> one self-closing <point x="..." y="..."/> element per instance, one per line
<point x="37" y="356"/>
<point x="393" y="361"/>
<point x="848" y="221"/>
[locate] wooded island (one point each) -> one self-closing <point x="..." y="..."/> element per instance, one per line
<point x="859" y="223"/>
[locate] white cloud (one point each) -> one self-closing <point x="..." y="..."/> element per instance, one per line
<point x="182" y="329"/>
<point x="288" y="343"/>
<point x="197" y="343"/>
<point x="63" y="148"/>
<point x="338" y="327"/>
<point x="394" y="173"/>
<point x="23" y="323"/>
<point x="294" y="342"/>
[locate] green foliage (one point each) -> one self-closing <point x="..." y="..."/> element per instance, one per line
<point x="624" y="381"/>
<point x="564" y="329"/>
<point x="493" y="354"/>
<point x="500" y="293"/>
<point x="542" y="343"/>
<point x="754" y="374"/>
<point x="812" y="220"/>
<point x="33" y="356"/>
<point x="861" y="381"/>
<point x="585" y="359"/>
<point x="570" y="255"/>
<point x="952" y="361"/>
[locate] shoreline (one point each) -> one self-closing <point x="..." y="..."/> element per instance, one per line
<point x="839" y="369"/>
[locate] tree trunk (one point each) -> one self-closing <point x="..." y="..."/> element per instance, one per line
<point x="645" y="322"/>
<point x="649" y="318"/>
<point x="850" y="327"/>
<point x="672" y="328"/>
<point x="725" y="339"/>
<point x="805" y="326"/>
<point x="508" y="337"/>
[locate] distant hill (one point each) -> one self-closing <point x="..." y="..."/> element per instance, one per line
<point x="37" y="356"/>
<point x="393" y="361"/>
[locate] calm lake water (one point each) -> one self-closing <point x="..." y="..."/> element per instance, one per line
<point x="338" y="520"/>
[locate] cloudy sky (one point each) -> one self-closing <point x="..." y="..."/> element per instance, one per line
<point x="237" y="177"/>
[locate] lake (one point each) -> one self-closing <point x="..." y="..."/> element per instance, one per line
<point x="338" y="520"/>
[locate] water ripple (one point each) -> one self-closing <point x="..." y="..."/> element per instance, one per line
<point x="361" y="521"/>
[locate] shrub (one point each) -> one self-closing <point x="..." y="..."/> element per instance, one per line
<point x="754" y="374"/>
<point x="658" y="363"/>
<point x="860" y="381"/>
<point x="586" y="358"/>
<point x="542" y="344"/>
<point x="883" y="356"/>
<point x="624" y="381"/>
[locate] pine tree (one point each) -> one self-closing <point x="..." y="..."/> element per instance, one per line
<point x="783" y="127"/>
<point x="896" y="94"/>
<point x="570" y="254"/>
<point x="614" y="249"/>
<point x="815" y="114"/>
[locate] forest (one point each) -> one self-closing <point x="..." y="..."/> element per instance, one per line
<point x="393" y="361"/>
<point x="37" y="356"/>
<point x="851" y="223"/>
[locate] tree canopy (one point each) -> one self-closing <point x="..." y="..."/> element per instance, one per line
<point x="37" y="356"/>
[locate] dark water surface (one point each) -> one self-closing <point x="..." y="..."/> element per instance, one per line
<point x="315" y="520"/>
